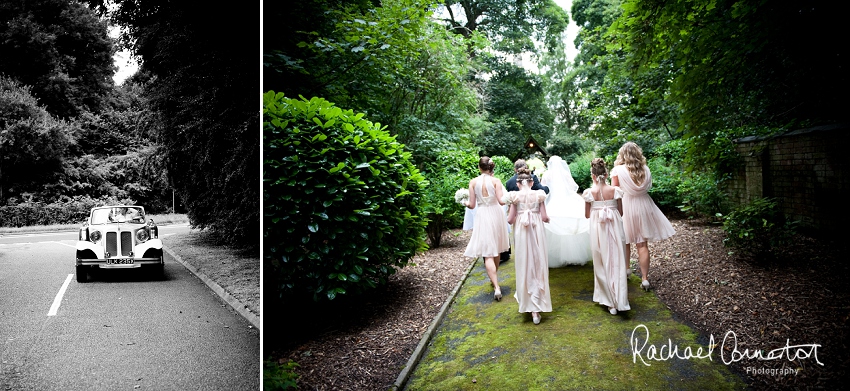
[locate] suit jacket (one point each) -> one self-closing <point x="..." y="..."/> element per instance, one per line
<point x="511" y="185"/>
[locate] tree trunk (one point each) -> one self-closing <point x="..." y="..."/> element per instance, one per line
<point x="435" y="229"/>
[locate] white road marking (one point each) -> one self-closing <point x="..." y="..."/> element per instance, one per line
<point x="58" y="300"/>
<point x="64" y="244"/>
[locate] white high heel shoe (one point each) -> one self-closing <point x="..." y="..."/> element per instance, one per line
<point x="535" y="317"/>
<point x="498" y="295"/>
<point x="612" y="310"/>
<point x="645" y="285"/>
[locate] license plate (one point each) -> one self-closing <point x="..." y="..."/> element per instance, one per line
<point x="119" y="261"/>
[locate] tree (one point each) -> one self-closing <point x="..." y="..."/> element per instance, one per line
<point x="512" y="25"/>
<point x="33" y="144"/>
<point x="60" y="48"/>
<point x="391" y="61"/>
<point x="741" y="64"/>
<point x="203" y="89"/>
<point x="515" y="100"/>
<point x="516" y="105"/>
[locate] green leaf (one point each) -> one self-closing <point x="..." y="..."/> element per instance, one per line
<point x="337" y="168"/>
<point x="313" y="227"/>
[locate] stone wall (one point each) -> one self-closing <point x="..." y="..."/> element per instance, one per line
<point x="806" y="170"/>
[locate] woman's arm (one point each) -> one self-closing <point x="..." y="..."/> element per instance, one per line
<point x="512" y="214"/>
<point x="471" y="203"/>
<point x="543" y="214"/>
<point x="587" y="210"/>
<point x="499" y="192"/>
<point x="620" y="206"/>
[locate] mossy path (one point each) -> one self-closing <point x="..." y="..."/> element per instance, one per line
<point x="483" y="344"/>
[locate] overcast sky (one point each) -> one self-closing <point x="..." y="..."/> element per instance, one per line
<point x="126" y="64"/>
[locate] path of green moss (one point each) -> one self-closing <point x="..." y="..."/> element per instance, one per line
<point x="488" y="345"/>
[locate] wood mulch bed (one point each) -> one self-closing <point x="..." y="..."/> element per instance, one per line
<point x="798" y="298"/>
<point x="363" y="344"/>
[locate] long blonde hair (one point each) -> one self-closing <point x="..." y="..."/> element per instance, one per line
<point x="632" y="157"/>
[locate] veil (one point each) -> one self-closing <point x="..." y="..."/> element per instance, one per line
<point x="558" y="177"/>
<point x="563" y="205"/>
<point x="568" y="231"/>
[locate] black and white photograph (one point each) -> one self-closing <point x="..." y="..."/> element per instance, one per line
<point x="129" y="196"/>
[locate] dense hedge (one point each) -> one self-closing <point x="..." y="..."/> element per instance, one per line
<point x="342" y="200"/>
<point x="70" y="211"/>
<point x="451" y="171"/>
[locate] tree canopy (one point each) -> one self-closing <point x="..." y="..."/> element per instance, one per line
<point x="61" y="49"/>
<point x="203" y="90"/>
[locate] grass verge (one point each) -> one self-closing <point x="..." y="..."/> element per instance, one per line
<point x="484" y="344"/>
<point x="236" y="271"/>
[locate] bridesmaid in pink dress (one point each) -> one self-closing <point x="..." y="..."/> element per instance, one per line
<point x="643" y="222"/>
<point x="489" y="232"/>
<point x="527" y="214"/>
<point x="604" y="207"/>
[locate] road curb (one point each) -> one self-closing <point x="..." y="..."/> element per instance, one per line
<point x="426" y="338"/>
<point x="252" y="318"/>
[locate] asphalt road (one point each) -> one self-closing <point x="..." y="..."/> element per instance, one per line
<point x="120" y="331"/>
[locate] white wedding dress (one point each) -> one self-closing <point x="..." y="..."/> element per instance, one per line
<point x="568" y="231"/>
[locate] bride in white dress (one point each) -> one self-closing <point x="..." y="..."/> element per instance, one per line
<point x="568" y="231"/>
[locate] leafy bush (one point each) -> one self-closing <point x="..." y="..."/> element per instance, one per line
<point x="666" y="179"/>
<point x="504" y="168"/>
<point x="66" y="211"/>
<point x="343" y="203"/>
<point x="700" y="194"/>
<point x="758" y="228"/>
<point x="451" y="171"/>
<point x="580" y="170"/>
<point x="279" y="376"/>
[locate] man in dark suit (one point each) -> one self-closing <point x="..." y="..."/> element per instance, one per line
<point x="511" y="185"/>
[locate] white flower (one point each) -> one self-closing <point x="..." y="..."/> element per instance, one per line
<point x="461" y="195"/>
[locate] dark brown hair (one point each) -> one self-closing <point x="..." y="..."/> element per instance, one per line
<point x="486" y="164"/>
<point x="523" y="174"/>
<point x="520" y="163"/>
<point x="598" y="168"/>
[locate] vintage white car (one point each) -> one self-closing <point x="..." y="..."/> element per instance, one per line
<point x="117" y="237"/>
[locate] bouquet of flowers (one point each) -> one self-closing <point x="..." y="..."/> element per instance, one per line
<point x="462" y="195"/>
<point x="506" y="198"/>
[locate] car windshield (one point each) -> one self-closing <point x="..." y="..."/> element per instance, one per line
<point x="122" y="214"/>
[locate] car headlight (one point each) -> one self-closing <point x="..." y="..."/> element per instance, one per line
<point x="142" y="235"/>
<point x="95" y="236"/>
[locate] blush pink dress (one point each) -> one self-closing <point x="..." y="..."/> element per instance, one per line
<point x="530" y="255"/>
<point x="642" y="220"/>
<point x="608" y="247"/>
<point x="489" y="232"/>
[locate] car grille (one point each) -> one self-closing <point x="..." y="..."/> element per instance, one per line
<point x="126" y="243"/>
<point x="111" y="243"/>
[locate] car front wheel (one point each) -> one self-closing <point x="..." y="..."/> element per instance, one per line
<point x="159" y="270"/>
<point x="81" y="273"/>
